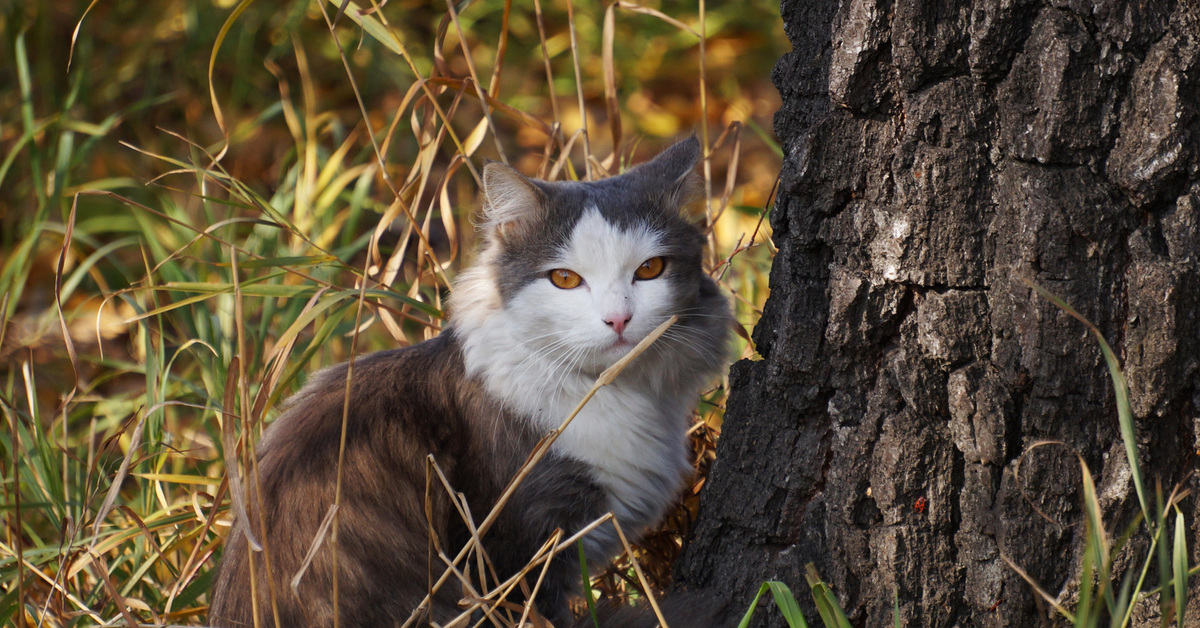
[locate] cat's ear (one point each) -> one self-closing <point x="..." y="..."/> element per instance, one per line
<point x="511" y="201"/>
<point x="673" y="174"/>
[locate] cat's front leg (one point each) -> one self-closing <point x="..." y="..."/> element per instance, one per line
<point x="559" y="494"/>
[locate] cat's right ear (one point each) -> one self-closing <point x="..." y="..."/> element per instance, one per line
<point x="511" y="201"/>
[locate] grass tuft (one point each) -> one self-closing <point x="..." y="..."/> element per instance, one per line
<point x="1101" y="600"/>
<point x="183" y="243"/>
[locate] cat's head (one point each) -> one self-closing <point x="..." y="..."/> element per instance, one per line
<point x="585" y="270"/>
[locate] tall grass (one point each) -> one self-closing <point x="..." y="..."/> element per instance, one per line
<point x="218" y="198"/>
<point x="1104" y="596"/>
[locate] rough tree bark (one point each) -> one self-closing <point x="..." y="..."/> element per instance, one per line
<point x="937" y="151"/>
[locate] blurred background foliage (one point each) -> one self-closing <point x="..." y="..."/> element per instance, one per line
<point x="202" y="201"/>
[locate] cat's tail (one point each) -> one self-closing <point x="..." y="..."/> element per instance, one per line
<point x="684" y="609"/>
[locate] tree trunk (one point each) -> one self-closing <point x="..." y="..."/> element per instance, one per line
<point x="937" y="152"/>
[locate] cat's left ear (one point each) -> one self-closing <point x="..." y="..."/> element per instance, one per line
<point x="673" y="172"/>
<point x="511" y="201"/>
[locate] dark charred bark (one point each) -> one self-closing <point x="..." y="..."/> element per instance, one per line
<point x="938" y="151"/>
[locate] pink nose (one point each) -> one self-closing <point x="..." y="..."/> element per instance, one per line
<point x="618" y="321"/>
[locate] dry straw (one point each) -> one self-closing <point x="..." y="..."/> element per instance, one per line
<point x="231" y="292"/>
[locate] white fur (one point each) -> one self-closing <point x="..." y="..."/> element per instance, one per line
<point x="542" y="352"/>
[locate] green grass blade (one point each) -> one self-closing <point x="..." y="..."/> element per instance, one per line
<point x="587" y="585"/>
<point x="25" y="85"/>
<point x="1098" y="548"/>
<point x="1128" y="614"/>
<point x="753" y="605"/>
<point x="371" y="25"/>
<point x="319" y="338"/>
<point x="198" y="586"/>
<point x="1123" y="605"/>
<point x="1166" y="599"/>
<point x="1120" y="388"/>
<point x="81" y="270"/>
<point x="298" y="261"/>
<point x="1179" y="563"/>
<point x="783" y="599"/>
<point x="831" y="612"/>
<point x="1083" y="610"/>
<point x="787" y="604"/>
<point x="27" y="139"/>
<point x="255" y="287"/>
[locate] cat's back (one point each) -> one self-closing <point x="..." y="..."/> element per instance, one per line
<point x="393" y="394"/>
<point x="403" y="405"/>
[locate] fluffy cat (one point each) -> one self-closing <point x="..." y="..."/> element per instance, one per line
<point x="569" y="277"/>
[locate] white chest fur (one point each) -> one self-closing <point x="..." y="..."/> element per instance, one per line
<point x="540" y="351"/>
<point x="635" y="443"/>
<point x="632" y="436"/>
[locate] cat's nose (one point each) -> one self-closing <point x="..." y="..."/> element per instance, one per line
<point x="618" y="321"/>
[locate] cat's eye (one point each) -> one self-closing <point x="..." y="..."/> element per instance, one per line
<point x="650" y="268"/>
<point x="565" y="279"/>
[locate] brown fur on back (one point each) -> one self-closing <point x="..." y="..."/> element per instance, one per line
<point x="405" y="404"/>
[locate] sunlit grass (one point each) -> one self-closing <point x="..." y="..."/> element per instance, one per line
<point x="218" y="199"/>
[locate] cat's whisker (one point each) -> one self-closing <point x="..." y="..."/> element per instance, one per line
<point x="698" y="310"/>
<point x="538" y="354"/>
<point x="697" y="313"/>
<point x="693" y="331"/>
<point x="671" y="350"/>
<point x="534" y="357"/>
<point x="569" y="357"/>
<point x="680" y="340"/>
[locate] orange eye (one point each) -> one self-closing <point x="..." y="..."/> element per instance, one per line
<point x="565" y="279"/>
<point x="650" y="268"/>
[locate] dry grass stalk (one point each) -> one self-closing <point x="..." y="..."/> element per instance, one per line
<point x="539" y="452"/>
<point x="200" y="251"/>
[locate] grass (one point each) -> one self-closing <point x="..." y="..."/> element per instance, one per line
<point x="219" y="198"/>
<point x="827" y="605"/>
<point x="1105" y="597"/>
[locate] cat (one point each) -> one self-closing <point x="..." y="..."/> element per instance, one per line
<point x="570" y="275"/>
